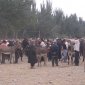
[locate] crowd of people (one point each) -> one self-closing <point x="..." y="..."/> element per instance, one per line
<point x="57" y="49"/>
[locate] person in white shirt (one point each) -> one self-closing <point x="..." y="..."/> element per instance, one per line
<point x="76" y="49"/>
<point x="77" y="45"/>
<point x="42" y="44"/>
<point x="67" y="44"/>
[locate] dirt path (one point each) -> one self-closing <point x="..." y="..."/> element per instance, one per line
<point x="21" y="74"/>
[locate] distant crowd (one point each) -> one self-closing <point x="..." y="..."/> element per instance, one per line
<point x="64" y="50"/>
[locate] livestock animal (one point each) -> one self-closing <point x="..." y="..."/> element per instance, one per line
<point x="41" y="54"/>
<point x="6" y="52"/>
<point x="71" y="54"/>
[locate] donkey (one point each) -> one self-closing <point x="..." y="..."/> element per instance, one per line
<point x="41" y="54"/>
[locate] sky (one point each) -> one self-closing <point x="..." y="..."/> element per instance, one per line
<point x="68" y="6"/>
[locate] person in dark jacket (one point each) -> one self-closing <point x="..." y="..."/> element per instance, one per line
<point x="81" y="47"/>
<point x="54" y="54"/>
<point x="83" y="50"/>
<point x="31" y="54"/>
<point x="59" y="43"/>
<point x="24" y="43"/>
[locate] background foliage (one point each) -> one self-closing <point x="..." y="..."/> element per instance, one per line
<point x="20" y="18"/>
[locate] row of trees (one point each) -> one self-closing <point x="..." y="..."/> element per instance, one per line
<point x="20" y="18"/>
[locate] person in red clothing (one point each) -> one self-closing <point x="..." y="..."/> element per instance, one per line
<point x="4" y="43"/>
<point x="3" y="46"/>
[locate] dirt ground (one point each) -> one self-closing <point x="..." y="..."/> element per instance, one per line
<point x="21" y="74"/>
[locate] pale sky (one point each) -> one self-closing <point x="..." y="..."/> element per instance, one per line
<point x="67" y="6"/>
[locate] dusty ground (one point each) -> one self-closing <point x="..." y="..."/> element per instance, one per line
<point x="21" y="74"/>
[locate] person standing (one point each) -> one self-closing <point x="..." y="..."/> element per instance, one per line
<point x="54" y="53"/>
<point x="81" y="48"/>
<point x="31" y="54"/>
<point x="17" y="51"/>
<point x="84" y="53"/>
<point x="64" y="51"/>
<point x="77" y="50"/>
<point x="59" y="43"/>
